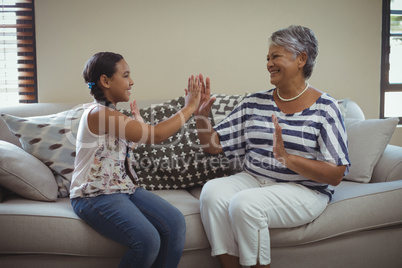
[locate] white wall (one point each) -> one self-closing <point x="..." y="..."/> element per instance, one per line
<point x="166" y="41"/>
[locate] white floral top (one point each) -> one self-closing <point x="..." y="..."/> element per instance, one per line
<point x="100" y="163"/>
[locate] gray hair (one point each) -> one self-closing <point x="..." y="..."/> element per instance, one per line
<point x="298" y="39"/>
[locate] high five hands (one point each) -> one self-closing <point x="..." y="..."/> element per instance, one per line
<point x="206" y="101"/>
<point x="193" y="92"/>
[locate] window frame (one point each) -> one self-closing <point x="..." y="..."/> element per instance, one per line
<point x="26" y="49"/>
<point x="385" y="52"/>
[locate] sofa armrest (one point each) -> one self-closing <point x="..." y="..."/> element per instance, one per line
<point x="389" y="166"/>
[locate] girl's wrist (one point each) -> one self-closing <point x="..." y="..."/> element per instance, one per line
<point x="190" y="108"/>
<point x="186" y="111"/>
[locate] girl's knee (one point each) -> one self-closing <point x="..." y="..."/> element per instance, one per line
<point x="148" y="241"/>
<point x="177" y="224"/>
<point x="143" y="250"/>
<point x="181" y="224"/>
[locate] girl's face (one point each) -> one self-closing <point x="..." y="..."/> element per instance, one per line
<point x="281" y="65"/>
<point x="120" y="83"/>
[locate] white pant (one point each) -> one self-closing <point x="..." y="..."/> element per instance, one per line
<point x="238" y="210"/>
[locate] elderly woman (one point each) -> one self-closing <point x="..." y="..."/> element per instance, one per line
<point x="291" y="144"/>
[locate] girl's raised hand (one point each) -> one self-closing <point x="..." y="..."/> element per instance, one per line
<point x="193" y="93"/>
<point x="135" y="112"/>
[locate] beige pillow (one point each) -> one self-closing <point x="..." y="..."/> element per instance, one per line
<point x="25" y="175"/>
<point x="367" y="141"/>
<point x="51" y="139"/>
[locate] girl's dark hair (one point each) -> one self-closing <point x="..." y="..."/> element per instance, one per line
<point x="102" y="63"/>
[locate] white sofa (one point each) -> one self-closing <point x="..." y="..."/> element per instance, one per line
<point x="361" y="227"/>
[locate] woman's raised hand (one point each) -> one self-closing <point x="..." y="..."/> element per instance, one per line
<point x="278" y="145"/>
<point x="193" y="92"/>
<point x="206" y="101"/>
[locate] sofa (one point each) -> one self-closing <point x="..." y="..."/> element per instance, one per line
<point x="361" y="227"/>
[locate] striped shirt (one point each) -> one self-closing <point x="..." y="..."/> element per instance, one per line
<point x="318" y="133"/>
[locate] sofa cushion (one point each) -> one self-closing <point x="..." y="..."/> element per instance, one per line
<point x="27" y="110"/>
<point x="55" y="222"/>
<point x="179" y="162"/>
<point x="367" y="140"/>
<point x="50" y="138"/>
<point x="343" y="103"/>
<point x="389" y="167"/>
<point x="355" y="207"/>
<point x="16" y="174"/>
<point x="223" y="105"/>
<point x="358" y="207"/>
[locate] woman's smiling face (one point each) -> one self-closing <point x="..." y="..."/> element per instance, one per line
<point x="281" y="65"/>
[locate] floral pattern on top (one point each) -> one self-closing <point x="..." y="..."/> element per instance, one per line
<point x="107" y="173"/>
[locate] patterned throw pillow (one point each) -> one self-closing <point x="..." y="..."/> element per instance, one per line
<point x="223" y="105"/>
<point x="51" y="139"/>
<point x="179" y="162"/>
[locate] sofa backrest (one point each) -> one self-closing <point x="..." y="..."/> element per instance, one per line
<point x="353" y="111"/>
<point x="37" y="109"/>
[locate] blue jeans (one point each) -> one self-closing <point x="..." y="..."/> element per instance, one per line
<point x="152" y="229"/>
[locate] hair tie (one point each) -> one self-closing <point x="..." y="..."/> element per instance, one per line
<point x="90" y="85"/>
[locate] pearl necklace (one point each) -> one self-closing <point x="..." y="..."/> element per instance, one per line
<point x="301" y="93"/>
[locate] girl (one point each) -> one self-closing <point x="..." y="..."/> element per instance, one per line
<point x="104" y="190"/>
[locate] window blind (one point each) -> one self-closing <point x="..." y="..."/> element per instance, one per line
<point x="18" y="81"/>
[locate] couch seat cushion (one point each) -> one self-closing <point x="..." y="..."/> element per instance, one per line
<point x="354" y="207"/>
<point x="33" y="227"/>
